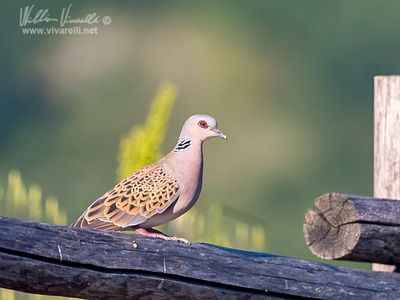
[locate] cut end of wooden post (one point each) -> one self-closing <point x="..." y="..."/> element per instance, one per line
<point x="383" y="268"/>
<point x="327" y="231"/>
<point x="386" y="142"/>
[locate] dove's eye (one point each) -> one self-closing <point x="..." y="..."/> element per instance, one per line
<point x="203" y="124"/>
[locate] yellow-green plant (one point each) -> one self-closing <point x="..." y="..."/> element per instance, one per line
<point x="211" y="225"/>
<point x="7" y="294"/>
<point x="26" y="202"/>
<point x="142" y="145"/>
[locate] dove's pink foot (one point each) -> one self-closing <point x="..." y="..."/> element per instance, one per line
<point x="158" y="234"/>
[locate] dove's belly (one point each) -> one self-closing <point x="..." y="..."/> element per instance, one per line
<point x="188" y="170"/>
<point x="185" y="202"/>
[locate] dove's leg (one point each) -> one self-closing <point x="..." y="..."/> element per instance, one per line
<point x="158" y="234"/>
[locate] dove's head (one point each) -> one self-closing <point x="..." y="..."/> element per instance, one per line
<point x="201" y="127"/>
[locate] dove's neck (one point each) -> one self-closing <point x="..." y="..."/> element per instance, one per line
<point x="186" y="160"/>
<point x="188" y="154"/>
<point x="188" y="147"/>
<point x="183" y="144"/>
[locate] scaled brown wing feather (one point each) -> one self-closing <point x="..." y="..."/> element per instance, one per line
<point x="134" y="200"/>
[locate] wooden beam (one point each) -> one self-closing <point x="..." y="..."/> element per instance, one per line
<point x="355" y="228"/>
<point x="65" y="261"/>
<point x="386" y="142"/>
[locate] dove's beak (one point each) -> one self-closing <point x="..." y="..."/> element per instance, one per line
<point x="219" y="133"/>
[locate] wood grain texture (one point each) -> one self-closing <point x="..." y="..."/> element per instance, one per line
<point x="59" y="260"/>
<point x="355" y="228"/>
<point x="386" y="142"/>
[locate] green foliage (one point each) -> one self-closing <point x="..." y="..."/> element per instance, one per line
<point x="7" y="294"/>
<point x="142" y="145"/>
<point x="214" y="225"/>
<point x="27" y="202"/>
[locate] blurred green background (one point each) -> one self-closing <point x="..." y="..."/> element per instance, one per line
<point x="290" y="83"/>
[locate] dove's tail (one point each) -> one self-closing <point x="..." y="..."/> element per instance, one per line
<point x="79" y="221"/>
<point x="95" y="224"/>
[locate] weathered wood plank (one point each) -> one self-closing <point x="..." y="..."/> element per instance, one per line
<point x="35" y="276"/>
<point x="58" y="260"/>
<point x="354" y="228"/>
<point x="386" y="142"/>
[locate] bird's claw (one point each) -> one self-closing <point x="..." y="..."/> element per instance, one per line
<point x="155" y="233"/>
<point x="173" y="238"/>
<point x="177" y="238"/>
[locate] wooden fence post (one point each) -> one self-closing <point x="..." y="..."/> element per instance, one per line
<point x="386" y="142"/>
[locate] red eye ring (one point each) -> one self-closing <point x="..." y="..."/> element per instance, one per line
<point x="203" y="124"/>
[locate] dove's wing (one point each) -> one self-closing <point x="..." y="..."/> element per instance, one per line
<point x="137" y="198"/>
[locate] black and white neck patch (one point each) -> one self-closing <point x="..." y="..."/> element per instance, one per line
<point x="182" y="145"/>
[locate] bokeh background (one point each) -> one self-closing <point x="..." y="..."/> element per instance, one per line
<point x="290" y="82"/>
